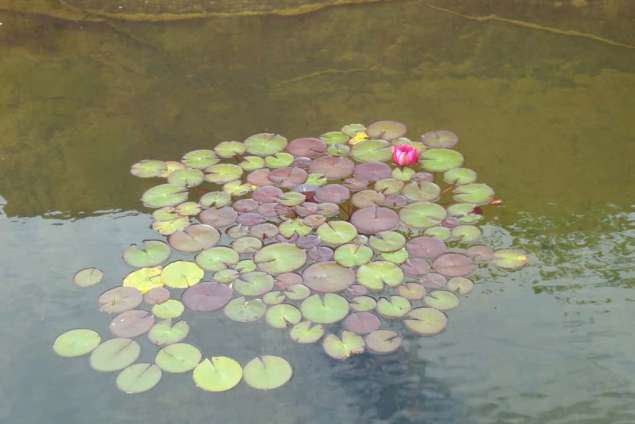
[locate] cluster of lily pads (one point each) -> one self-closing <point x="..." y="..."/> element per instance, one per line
<point x="323" y="237"/>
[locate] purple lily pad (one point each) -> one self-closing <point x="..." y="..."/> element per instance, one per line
<point x="156" y="296"/>
<point x="288" y="177"/>
<point x="218" y="217"/>
<point x="314" y="220"/>
<point x="374" y="219"/>
<point x="383" y="341"/>
<point x="415" y="266"/>
<point x="332" y="193"/>
<point x="450" y="222"/>
<point x="443" y="139"/>
<point x="387" y="130"/>
<point x="263" y="231"/>
<point x="131" y="323"/>
<point x="356" y="290"/>
<point x="425" y="247"/>
<point x="453" y="265"/>
<point x="266" y="194"/>
<point x="306" y="209"/>
<point x="259" y="177"/>
<point x="423" y="176"/>
<point x="362" y="322"/>
<point x="282" y="239"/>
<point x="320" y="254"/>
<point x="328" y="277"/>
<point x="308" y="242"/>
<point x="250" y="218"/>
<point x="194" y="238"/>
<point x="302" y="163"/>
<point x="288" y="279"/>
<point x="432" y="280"/>
<point x="332" y="167"/>
<point x="355" y="184"/>
<point x="205" y="297"/>
<point x="119" y="299"/>
<point x="308" y="147"/>
<point x="395" y="201"/>
<point x="372" y="171"/>
<point x="480" y="254"/>
<point x="245" y="205"/>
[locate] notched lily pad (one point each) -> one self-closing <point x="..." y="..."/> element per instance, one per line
<point x="361" y="322"/>
<point x="207" y="297"/>
<point x="280" y="257"/>
<point x="119" y="299"/>
<point x="138" y="378"/>
<point x="148" y="168"/>
<point x="393" y="307"/>
<point x="200" y="159"/>
<point x="265" y="144"/>
<point x="78" y="342"/>
<point x="440" y="139"/>
<point x="374" y="275"/>
<point x="242" y="310"/>
<point x="306" y="332"/>
<point x="325" y="309"/>
<point x="383" y="341"/>
<point x="373" y="219"/>
<point x="440" y="160"/>
<point x="510" y="258"/>
<point x="131" y="323"/>
<point x="164" y="195"/>
<point x="114" y="355"/>
<point x="343" y="347"/>
<point x="164" y="333"/>
<point x="267" y="372"/>
<point x="217" y="374"/>
<point x="178" y="358"/>
<point x="181" y="274"/>
<point x="88" y="277"/>
<point x="426" y="321"/>
<point x="283" y="316"/>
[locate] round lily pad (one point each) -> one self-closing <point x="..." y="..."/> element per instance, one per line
<point x="171" y="226"/>
<point x="242" y="310"/>
<point x="422" y="191"/>
<point x="144" y="279"/>
<point x="333" y="193"/>
<point x="138" y="378"/>
<point x="352" y="129"/>
<point x="217" y="374"/>
<point x="250" y="218"/>
<point x="438" y="232"/>
<point x="475" y="193"/>
<point x="226" y="276"/>
<point x="88" y="277"/>
<point x="372" y="220"/>
<point x="291" y="198"/>
<point x="287" y="279"/>
<point x="366" y="198"/>
<point x="275" y="297"/>
<point x="387" y="241"/>
<point x="397" y="257"/>
<point x="389" y="186"/>
<point x="287" y="177"/>
<point x="131" y="323"/>
<point x="194" y="238"/>
<point x="229" y="149"/>
<point x="188" y="177"/>
<point x="280" y="257"/>
<point x="335" y="233"/>
<point x="223" y="173"/>
<point x="308" y="241"/>
<point x="171" y="166"/>
<point x="207" y="297"/>
<point x="387" y="130"/>
<point x="217" y="258"/>
<point x="333" y="167"/>
<point x="156" y="295"/>
<point x="153" y="253"/>
<point x="306" y="332"/>
<point x="510" y="258"/>
<point x="338" y="150"/>
<point x="415" y="266"/>
<point x="246" y="245"/>
<point x="148" y="168"/>
<point x="334" y="137"/>
<point x="283" y="316"/>
<point x="188" y="209"/>
<point x="181" y="274"/>
<point x="164" y="333"/>
<point x="178" y="358"/>
<point x="267" y="372"/>
<point x="480" y="254"/>
<point x="464" y="212"/>
<point x="328" y="277"/>
<point x="363" y="303"/>
<point x="442" y="300"/>
<point x="395" y="201"/>
<point x="294" y="227"/>
<point x="119" y="299"/>
<point x="245" y="205"/>
<point x="171" y="308"/>
<point x="267" y="194"/>
<point x="279" y="160"/>
<point x="114" y="355"/>
<point x="393" y="307"/>
<point x="432" y="280"/>
<point x="372" y="171"/>
<point x="259" y="177"/>
<point x="164" y="195"/>
<point x="215" y="199"/>
<point x="461" y="285"/>
<point x="325" y="309"/>
<point x="253" y="284"/>
<point x="426" y="321"/>
<point x="297" y="292"/>
<point x="200" y="159"/>
<point x="352" y="255"/>
<point x="422" y="214"/>
<point x="361" y="322"/>
<point x="355" y="184"/>
<point x="265" y="144"/>
<point x="372" y="151"/>
<point x="383" y="341"/>
<point x="466" y="233"/>
<point x="459" y="176"/>
<point x="78" y="342"/>
<point x="343" y="347"/>
<point x="356" y="290"/>
<point x="440" y="160"/>
<point x="374" y="275"/>
<point x="403" y="174"/>
<point x="411" y="291"/>
<point x="264" y="231"/>
<point x="252" y="163"/>
<point x="320" y="254"/>
<point x="307" y="147"/>
<point x="443" y="139"/>
<point x="453" y="265"/>
<point x="236" y="188"/>
<point x="425" y="247"/>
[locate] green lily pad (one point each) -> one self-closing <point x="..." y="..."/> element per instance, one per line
<point x="343" y="347"/>
<point x="510" y="258"/>
<point x="237" y="188"/>
<point x="114" y="355"/>
<point x="78" y="342"/>
<point x="397" y="257"/>
<point x="328" y="277"/>
<point x="352" y="129"/>
<point x="338" y="150"/>
<point x="441" y="138"/>
<point x="316" y="180"/>
<point x="200" y="159"/>
<point x="148" y="168"/>
<point x="217" y="258"/>
<point x="387" y="241"/>
<point x="335" y="233"/>
<point x="171" y="308"/>
<point x="223" y="173"/>
<point x="422" y="214"/>
<point x="403" y="174"/>
<point x="164" y="195"/>
<point x="297" y="292"/>
<point x="383" y="341"/>
<point x="442" y="300"/>
<point x="181" y="274"/>
<point x="229" y="149"/>
<point x="366" y="198"/>
<point x="458" y="176"/>
<point x="422" y="191"/>
<point x="217" y="374"/>
<point x="325" y="309"/>
<point x="372" y="151"/>
<point x="265" y="144"/>
<point x="242" y="310"/>
<point x="283" y="316"/>
<point x="280" y="257"/>
<point x="461" y="285"/>
<point x="291" y="198"/>
<point x="306" y="332"/>
<point x="138" y="378"/>
<point x="275" y="297"/>
<point x="440" y="160"/>
<point x="466" y="233"/>
<point x="251" y="163"/>
<point x="144" y="279"/>
<point x="267" y="372"/>
<point x="178" y="358"/>
<point x="438" y="232"/>
<point x="246" y="265"/>
<point x="119" y="299"/>
<point x="464" y="212"/>
<point x="293" y="227"/>
<point x="253" y="284"/>
<point x="476" y="193"/>
<point x="352" y="255"/>
<point x="363" y="303"/>
<point x="426" y="321"/>
<point x="171" y="226"/>
<point x="246" y="245"/>
<point x="188" y="209"/>
<point x="388" y="186"/>
<point x="395" y="307"/>
<point x="374" y="275"/>
<point x="387" y="130"/>
<point x="164" y="333"/>
<point x="88" y="277"/>
<point x="334" y="137"/>
<point x="279" y="160"/>
<point x="215" y="199"/>
<point x="170" y="167"/>
<point x="166" y="213"/>
<point x="226" y="276"/>
<point x="411" y="291"/>
<point x="188" y="177"/>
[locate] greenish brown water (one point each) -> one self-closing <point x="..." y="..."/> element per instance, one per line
<point x="545" y="117"/>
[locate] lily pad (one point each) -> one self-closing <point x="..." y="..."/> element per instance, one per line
<point x="226" y="276"/>
<point x="171" y="308"/>
<point x="343" y="347"/>
<point x="170" y="167"/>
<point x="148" y="168"/>
<point x="138" y="378"/>
<point x="387" y="130"/>
<point x="433" y="281"/>
<point x="361" y="322"/>
<point x="287" y="177"/>
<point x="294" y="227"/>
<point x="352" y="255"/>
<point x="397" y="257"/>
<point x="426" y="321"/>
<point x="328" y="277"/>
<point x="453" y="265"/>
<point x="315" y="180"/>
<point x="338" y="150"/>
<point x="171" y="226"/>
<point x="217" y="374"/>
<point x="114" y="355"/>
<point x="229" y="149"/>
<point x="259" y="177"/>
<point x="480" y="254"/>
<point x="464" y="212"/>
<point x="355" y="184"/>
<point x="475" y="193"/>
<point x="387" y="241"/>
<point x="164" y="195"/>
<point x="440" y="160"/>
<point x="251" y="163"/>
<point x="280" y="257"/>
<point x="267" y="194"/>
<point x="421" y="191"/>
<point x="461" y="285"/>
<point x="438" y="232"/>
<point x="265" y="144"/>
<point x="267" y="372"/>
<point x="411" y="291"/>
<point x="253" y="284"/>
<point x="215" y="199"/>
<point x="283" y="316"/>
<point x="287" y="279"/>
<point x="443" y="138"/>
<point x="332" y="193"/>
<point x="206" y="297"/>
<point x="352" y="129"/>
<point x="335" y="233"/>
<point x="279" y="160"/>
<point x="374" y="275"/>
<point x="194" y="238"/>
<point x="275" y="297"/>
<point x="307" y="147"/>
<point x="393" y="307"/>
<point x="188" y="209"/>
<point x="467" y="233"/>
<point x="88" y="277"/>
<point x="320" y="254"/>
<point x="291" y="198"/>
<point x="415" y="266"/>
<point x="422" y="214"/>
<point x="372" y="171"/>
<point x="246" y="245"/>
<point x="264" y="231"/>
<point x="395" y="201"/>
<point x="217" y="258"/>
<point x="236" y="188"/>
<point x="389" y="186"/>
<point x="119" y="299"/>
<point x="373" y="219"/>
<point x="403" y="174"/>
<point x="363" y="303"/>
<point x="459" y="176"/>
<point x="325" y="309"/>
<point x="131" y="323"/>
<point x="242" y="310"/>
<point x="334" y="137"/>
<point x="297" y="292"/>
<point x="442" y="300"/>
<point x="333" y="167"/>
<point x="144" y="279"/>
<point x="223" y="173"/>
<point x="510" y="258"/>
<point x="306" y="332"/>
<point x="366" y="198"/>
<point x="383" y="341"/>
<point x="164" y="333"/>
<point x="188" y="177"/>
<point x="181" y="274"/>
<point x="372" y="151"/>
<point x="178" y="358"/>
<point x="78" y="342"/>
<point x="250" y="219"/>
<point x="200" y="159"/>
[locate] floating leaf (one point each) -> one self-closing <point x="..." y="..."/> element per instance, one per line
<point x="170" y="167"/>
<point x="265" y="144"/>
<point x="138" y="378"/>
<point x="264" y="231"/>
<point x="510" y="258"/>
<point x="373" y="219"/>
<point x="287" y="177"/>
<point x="338" y="150"/>
<point x="442" y="138"/>
<point x="476" y="193"/>
<point x="395" y="201"/>
<point x="411" y="291"/>
<point x="297" y="292"/>
<point x="291" y="198"/>
<point x="267" y="372"/>
<point x="459" y="176"/>
<point x="164" y="195"/>
<point x="453" y="265"/>
<point x="480" y="254"/>
<point x="388" y="186"/>
<point x="78" y="342"/>
<point x="229" y="149"/>
<point x="394" y="307"/>
<point x="328" y="277"/>
<point x="283" y="316"/>
<point x="426" y="321"/>
<point x="144" y="279"/>
<point x="88" y="277"/>
<point x="275" y="297"/>
<point x="246" y="245"/>
<point x="131" y="323"/>
<point x="188" y="209"/>
<point x="237" y="189"/>
<point x="156" y="295"/>
<point x="343" y="347"/>
<point x="251" y="163"/>
<point x="383" y="341"/>
<point x="374" y="275"/>
<point x="181" y="274"/>
<point x="188" y="177"/>
<point x="223" y="173"/>
<point x="403" y="174"/>
<point x="372" y="171"/>
<point x="363" y="303"/>
<point x="421" y="191"/>
<point x="433" y="281"/>
<point x="306" y="332"/>
<point x="415" y="266"/>
<point x="206" y="297"/>
<point x="315" y="180"/>
<point x="372" y="151"/>
<point x="333" y="168"/>
<point x="171" y="226"/>
<point x="387" y="241"/>
<point x="367" y="198"/>
<point x="442" y="300"/>
<point x="217" y="374"/>
<point x="165" y="333"/>
<point x="464" y="212"/>
<point x="325" y="309"/>
<point x="461" y="285"/>
<point x="422" y="214"/>
<point x="438" y="232"/>
<point x="352" y="255"/>
<point x="440" y="160"/>
<point x="119" y="299"/>
<point x="114" y="355"/>
<point x="387" y="130"/>
<point x="287" y="279"/>
<point x="217" y="258"/>
<point x="226" y="276"/>
<point x="335" y="233"/>
<point x="397" y="257"/>
<point x="253" y="284"/>
<point x="294" y="227"/>
<point x="334" y="137"/>
<point x="200" y="159"/>
<point x="362" y="322"/>
<point x="279" y="160"/>
<point x="352" y="129"/>
<point x="216" y="199"/>
<point x="169" y="309"/>
<point x="307" y="147"/>
<point x="466" y="233"/>
<point x="243" y="310"/>
<point x="332" y="193"/>
<point x="148" y="168"/>
<point x="280" y="257"/>
<point x="194" y="238"/>
<point x="178" y="358"/>
<point x="259" y="177"/>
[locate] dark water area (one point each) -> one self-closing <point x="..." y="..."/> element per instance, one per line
<point x="544" y="115"/>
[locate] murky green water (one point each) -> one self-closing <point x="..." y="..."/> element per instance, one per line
<point x="544" y="117"/>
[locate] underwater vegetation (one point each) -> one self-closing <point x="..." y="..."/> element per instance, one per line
<point x="352" y="240"/>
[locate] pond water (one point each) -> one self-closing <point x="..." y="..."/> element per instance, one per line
<point x="544" y="115"/>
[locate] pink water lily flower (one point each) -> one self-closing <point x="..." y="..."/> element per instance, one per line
<point x="404" y="155"/>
